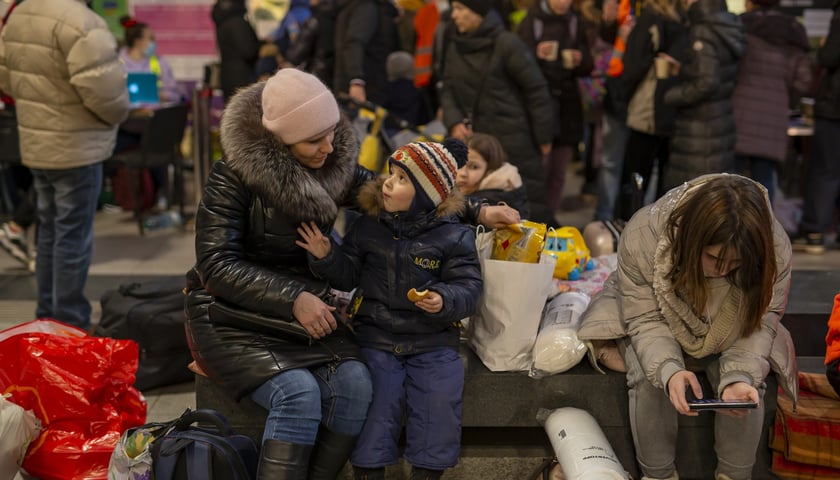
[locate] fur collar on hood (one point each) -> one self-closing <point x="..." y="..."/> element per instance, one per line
<point x="371" y="203"/>
<point x="268" y="168"/>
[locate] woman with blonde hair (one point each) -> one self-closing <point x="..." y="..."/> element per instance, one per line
<point x="701" y="285"/>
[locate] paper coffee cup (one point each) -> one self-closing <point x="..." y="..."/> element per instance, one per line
<point x="568" y="58"/>
<point x="554" y="48"/>
<point x="663" y="67"/>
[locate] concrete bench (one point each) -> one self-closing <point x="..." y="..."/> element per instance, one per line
<point x="503" y="440"/>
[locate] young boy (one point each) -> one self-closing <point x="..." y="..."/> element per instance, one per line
<point x="410" y="238"/>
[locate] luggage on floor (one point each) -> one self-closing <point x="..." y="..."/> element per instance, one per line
<point x="152" y="314"/>
<point x="213" y="451"/>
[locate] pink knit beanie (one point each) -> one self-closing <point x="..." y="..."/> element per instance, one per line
<point x="297" y="106"/>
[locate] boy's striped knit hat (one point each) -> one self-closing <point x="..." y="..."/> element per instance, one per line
<point x="432" y="168"/>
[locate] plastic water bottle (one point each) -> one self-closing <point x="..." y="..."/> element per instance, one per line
<point x="163" y="220"/>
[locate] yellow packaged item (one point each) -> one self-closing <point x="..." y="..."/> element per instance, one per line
<point x="520" y="242"/>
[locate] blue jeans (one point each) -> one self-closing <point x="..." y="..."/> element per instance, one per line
<point x="299" y="400"/>
<point x="613" y="140"/>
<point x="762" y="170"/>
<point x="66" y="206"/>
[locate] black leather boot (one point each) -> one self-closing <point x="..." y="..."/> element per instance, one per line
<point x="425" y="474"/>
<point x="369" y="473"/>
<point x="281" y="460"/>
<point x="330" y="454"/>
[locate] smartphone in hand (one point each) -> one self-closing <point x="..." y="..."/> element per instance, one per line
<point x="718" y="404"/>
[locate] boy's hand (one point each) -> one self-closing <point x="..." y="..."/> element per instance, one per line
<point x="433" y="303"/>
<point x="314" y="241"/>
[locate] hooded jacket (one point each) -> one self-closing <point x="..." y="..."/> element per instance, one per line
<point x="490" y="77"/>
<point x="504" y="185"/>
<point x="253" y="201"/>
<point x="638" y="301"/>
<point x="388" y="254"/>
<point x="59" y="61"/>
<point x="238" y="45"/>
<point x="704" y="130"/>
<point x="775" y="64"/>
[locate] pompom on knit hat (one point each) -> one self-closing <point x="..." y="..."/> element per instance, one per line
<point x="481" y="7"/>
<point x="432" y="168"/>
<point x="297" y="106"/>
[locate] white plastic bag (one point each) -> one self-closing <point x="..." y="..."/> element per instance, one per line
<point x="503" y="331"/>
<point x="18" y="427"/>
<point x="557" y="347"/>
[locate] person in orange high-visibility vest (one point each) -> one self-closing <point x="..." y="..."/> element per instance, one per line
<point x="832" y="346"/>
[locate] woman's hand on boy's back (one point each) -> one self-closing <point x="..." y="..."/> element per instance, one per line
<point x="314" y="241"/>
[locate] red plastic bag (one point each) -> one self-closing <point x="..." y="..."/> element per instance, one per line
<point x="80" y="387"/>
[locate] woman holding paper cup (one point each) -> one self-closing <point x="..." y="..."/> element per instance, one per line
<point x="658" y="36"/>
<point x="701" y="285"/>
<point x="555" y="34"/>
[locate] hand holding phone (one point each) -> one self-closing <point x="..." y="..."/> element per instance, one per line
<point x="718" y="404"/>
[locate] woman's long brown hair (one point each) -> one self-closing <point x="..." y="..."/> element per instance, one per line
<point x="730" y="211"/>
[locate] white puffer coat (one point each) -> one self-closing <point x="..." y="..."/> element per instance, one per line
<point x="59" y="61"/>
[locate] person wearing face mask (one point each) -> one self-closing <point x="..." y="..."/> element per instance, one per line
<point x="702" y="283"/>
<point x="139" y="54"/>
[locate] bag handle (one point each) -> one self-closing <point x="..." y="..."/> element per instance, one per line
<point x="204" y="415"/>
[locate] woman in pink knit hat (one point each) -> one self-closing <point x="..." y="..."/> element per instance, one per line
<point x="259" y="323"/>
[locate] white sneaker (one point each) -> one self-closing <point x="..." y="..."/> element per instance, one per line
<point x="14" y="243"/>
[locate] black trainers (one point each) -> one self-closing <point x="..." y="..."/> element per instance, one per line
<point x="808" y="242"/>
<point x="14" y="243"/>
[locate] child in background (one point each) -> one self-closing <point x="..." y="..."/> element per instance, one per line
<point x="403" y="99"/>
<point x="488" y="175"/>
<point x="832" y="344"/>
<point x="409" y="238"/>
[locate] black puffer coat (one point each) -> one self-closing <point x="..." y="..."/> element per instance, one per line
<point x="514" y="107"/>
<point x="388" y="254"/>
<point x="238" y="45"/>
<point x="704" y="131"/>
<point x="542" y="24"/>
<point x="246" y="224"/>
<point x="827" y="101"/>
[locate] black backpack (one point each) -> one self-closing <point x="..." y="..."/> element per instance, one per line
<point x="152" y="314"/>
<point x="212" y="452"/>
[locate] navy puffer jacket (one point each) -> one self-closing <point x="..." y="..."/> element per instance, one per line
<point x="387" y="255"/>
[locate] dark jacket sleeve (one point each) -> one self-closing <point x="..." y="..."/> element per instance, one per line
<point x="520" y="65"/>
<point x="460" y="284"/>
<point x="639" y="54"/>
<point x="700" y="78"/>
<point x="364" y="23"/>
<point x="829" y="54"/>
<point x="343" y="265"/>
<point x="221" y="226"/>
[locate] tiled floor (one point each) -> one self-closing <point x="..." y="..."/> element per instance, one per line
<point x="121" y="254"/>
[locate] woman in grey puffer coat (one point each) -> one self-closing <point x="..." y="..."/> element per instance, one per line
<point x="702" y="282"/>
<point x="704" y="132"/>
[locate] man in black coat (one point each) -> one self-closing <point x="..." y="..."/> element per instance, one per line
<point x="237" y="43"/>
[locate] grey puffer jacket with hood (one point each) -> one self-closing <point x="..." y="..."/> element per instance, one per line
<point x="638" y="294"/>
<point x="704" y="131"/>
